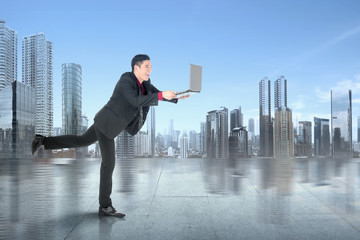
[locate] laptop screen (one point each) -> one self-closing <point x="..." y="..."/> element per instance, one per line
<point x="195" y="77"/>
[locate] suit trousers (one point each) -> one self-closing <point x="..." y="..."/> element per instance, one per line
<point x="107" y="148"/>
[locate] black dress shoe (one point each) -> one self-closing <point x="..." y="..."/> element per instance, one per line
<point x="37" y="143"/>
<point x="110" y="211"/>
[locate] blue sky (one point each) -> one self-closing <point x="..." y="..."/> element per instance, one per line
<point x="314" y="44"/>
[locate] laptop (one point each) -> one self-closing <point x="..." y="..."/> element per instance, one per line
<point x="195" y="81"/>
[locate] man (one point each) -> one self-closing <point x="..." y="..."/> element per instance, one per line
<point x="127" y="109"/>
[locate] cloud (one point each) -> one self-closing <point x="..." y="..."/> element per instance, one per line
<point x="303" y="57"/>
<point x="300" y="103"/>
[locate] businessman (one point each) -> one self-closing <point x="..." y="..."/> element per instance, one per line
<point x="126" y="110"/>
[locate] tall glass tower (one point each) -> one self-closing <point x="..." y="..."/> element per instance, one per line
<point x="321" y="137"/>
<point x="17" y="125"/>
<point x="151" y="131"/>
<point x="341" y="124"/>
<point x="266" y="125"/>
<point x="283" y="125"/>
<point x="236" y="119"/>
<point x="37" y="71"/>
<point x="8" y="55"/>
<point x="217" y="130"/>
<point x="71" y="99"/>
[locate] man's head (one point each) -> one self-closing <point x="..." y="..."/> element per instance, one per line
<point x="141" y="67"/>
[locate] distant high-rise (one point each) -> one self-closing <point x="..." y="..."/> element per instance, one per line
<point x="280" y="93"/>
<point x="17" y="120"/>
<point x="37" y="71"/>
<point x="125" y="145"/>
<point x="8" y="55"/>
<point x="71" y="99"/>
<point x="303" y="146"/>
<point x="141" y="144"/>
<point x="217" y="130"/>
<point x="184" y="146"/>
<point x="341" y="124"/>
<point x="151" y="131"/>
<point x="84" y="127"/>
<point x="192" y="140"/>
<point x="203" y="137"/>
<point x="238" y="143"/>
<point x="265" y="120"/>
<point x="283" y="125"/>
<point x="236" y="119"/>
<point x="321" y="137"/>
<point x="358" y="129"/>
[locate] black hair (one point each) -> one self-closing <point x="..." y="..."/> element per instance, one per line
<point x="138" y="59"/>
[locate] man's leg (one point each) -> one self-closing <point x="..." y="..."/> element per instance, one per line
<point x="107" y="148"/>
<point x="70" y="141"/>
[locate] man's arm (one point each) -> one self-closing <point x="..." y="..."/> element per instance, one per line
<point x="167" y="95"/>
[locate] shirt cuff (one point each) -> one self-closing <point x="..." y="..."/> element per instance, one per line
<point x="160" y="97"/>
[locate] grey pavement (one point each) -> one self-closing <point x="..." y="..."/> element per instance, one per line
<point x="255" y="198"/>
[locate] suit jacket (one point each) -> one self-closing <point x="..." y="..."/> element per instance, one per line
<point x="127" y="107"/>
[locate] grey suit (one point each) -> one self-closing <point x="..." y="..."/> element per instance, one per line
<point x="126" y="109"/>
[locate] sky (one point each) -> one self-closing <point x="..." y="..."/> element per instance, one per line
<point x="314" y="44"/>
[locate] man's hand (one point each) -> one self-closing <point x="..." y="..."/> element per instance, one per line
<point x="168" y="95"/>
<point x="183" y="97"/>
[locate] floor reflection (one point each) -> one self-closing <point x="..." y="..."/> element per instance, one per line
<point x="48" y="198"/>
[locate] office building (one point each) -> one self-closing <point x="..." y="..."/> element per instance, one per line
<point x="283" y="125"/>
<point x="84" y="126"/>
<point x="17" y="120"/>
<point x="125" y="145"/>
<point x="265" y="119"/>
<point x="37" y="72"/>
<point x="8" y="55"/>
<point x="217" y="130"/>
<point x="141" y="144"/>
<point x="303" y="145"/>
<point x="184" y="143"/>
<point x="151" y="131"/>
<point x="71" y="99"/>
<point x="192" y="140"/>
<point x="238" y="143"/>
<point x="358" y="129"/>
<point x="203" y="137"/>
<point x="341" y="124"/>
<point x="321" y="137"/>
<point x="236" y="119"/>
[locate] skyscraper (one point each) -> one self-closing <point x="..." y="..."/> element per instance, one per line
<point x="71" y="99"/>
<point x="265" y="120"/>
<point x="151" y="131"/>
<point x="236" y="119"/>
<point x="238" y="143"/>
<point x="17" y="120"/>
<point x="203" y="137"/>
<point x="358" y="129"/>
<point x="141" y="144"/>
<point x="321" y="137"/>
<point x="283" y="125"/>
<point x="341" y="124"/>
<point x="280" y="93"/>
<point x="37" y="71"/>
<point x="125" y="145"/>
<point x="8" y="55"/>
<point x="192" y="140"/>
<point x="217" y="130"/>
<point x="303" y="146"/>
<point x="184" y="146"/>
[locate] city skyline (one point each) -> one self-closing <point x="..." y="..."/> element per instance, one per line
<point x="316" y="53"/>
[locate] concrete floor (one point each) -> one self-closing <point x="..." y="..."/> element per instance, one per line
<point x="255" y="198"/>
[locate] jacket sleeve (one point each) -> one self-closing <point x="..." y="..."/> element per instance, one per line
<point x="155" y="90"/>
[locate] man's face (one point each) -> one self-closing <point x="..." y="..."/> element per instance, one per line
<point x="143" y="72"/>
